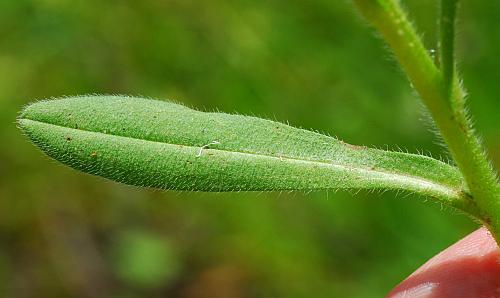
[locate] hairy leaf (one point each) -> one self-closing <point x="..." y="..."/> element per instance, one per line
<point x="165" y="145"/>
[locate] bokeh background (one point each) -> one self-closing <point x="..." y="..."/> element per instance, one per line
<point x="315" y="64"/>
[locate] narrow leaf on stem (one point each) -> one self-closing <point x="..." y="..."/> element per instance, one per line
<point x="166" y="145"/>
<point x="447" y="109"/>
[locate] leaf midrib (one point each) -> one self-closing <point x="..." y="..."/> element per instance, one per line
<point x="403" y="178"/>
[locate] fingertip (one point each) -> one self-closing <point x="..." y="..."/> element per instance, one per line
<point x="468" y="268"/>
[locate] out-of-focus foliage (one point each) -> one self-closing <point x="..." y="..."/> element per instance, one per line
<point x="314" y="64"/>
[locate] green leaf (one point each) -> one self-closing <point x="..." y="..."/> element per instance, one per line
<point x="166" y="145"/>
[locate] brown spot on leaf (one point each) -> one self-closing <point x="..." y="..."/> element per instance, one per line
<point x="355" y="147"/>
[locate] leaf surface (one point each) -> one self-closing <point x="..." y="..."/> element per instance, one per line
<point x="166" y="145"/>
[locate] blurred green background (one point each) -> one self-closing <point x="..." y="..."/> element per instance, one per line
<point x="315" y="64"/>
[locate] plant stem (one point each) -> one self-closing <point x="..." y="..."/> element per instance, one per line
<point x="446" y="107"/>
<point x="447" y="42"/>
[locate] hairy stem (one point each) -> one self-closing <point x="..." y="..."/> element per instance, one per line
<point x="448" y="111"/>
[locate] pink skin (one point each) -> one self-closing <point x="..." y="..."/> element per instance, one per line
<point x="468" y="268"/>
